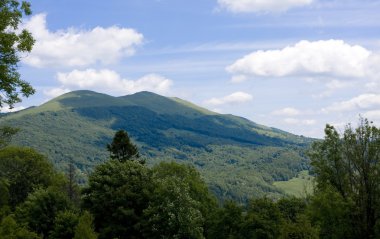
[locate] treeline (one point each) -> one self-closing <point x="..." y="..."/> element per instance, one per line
<point x="124" y="198"/>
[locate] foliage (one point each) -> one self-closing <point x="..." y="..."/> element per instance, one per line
<point x="172" y="213"/>
<point x="332" y="214"/>
<point x="85" y="228"/>
<point x="64" y="225"/>
<point x="188" y="175"/>
<point x="117" y="193"/>
<point x="9" y="229"/>
<point x="300" y="229"/>
<point x="79" y="124"/>
<point x="263" y="219"/>
<point x="40" y="210"/>
<point x="13" y="41"/>
<point x="6" y="134"/>
<point x="24" y="170"/>
<point x="72" y="188"/>
<point x="227" y="222"/>
<point x="180" y="204"/>
<point x="291" y="207"/>
<point x="4" y="192"/>
<point x="347" y="168"/>
<point x="122" y="148"/>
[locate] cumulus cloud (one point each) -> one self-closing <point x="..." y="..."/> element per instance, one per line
<point x="364" y="101"/>
<point x="54" y="92"/>
<point x="329" y="58"/>
<point x="234" y="98"/>
<point x="372" y="115"/>
<point x="77" y="47"/>
<point x="294" y="121"/>
<point x="108" y="81"/>
<point x="246" y="6"/>
<point x="333" y="86"/>
<point x="288" y="111"/>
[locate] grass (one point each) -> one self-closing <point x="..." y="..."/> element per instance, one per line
<point x="299" y="186"/>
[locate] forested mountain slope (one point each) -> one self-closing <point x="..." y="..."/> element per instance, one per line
<point x="237" y="158"/>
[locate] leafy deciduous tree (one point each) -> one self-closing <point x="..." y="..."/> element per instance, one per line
<point x="9" y="229"/>
<point x="349" y="165"/>
<point x="12" y="42"/>
<point x="117" y="193"/>
<point x="6" y="134"/>
<point x="227" y="223"/>
<point x="64" y="225"/>
<point x="85" y="227"/>
<point x="40" y="209"/>
<point x="24" y="169"/>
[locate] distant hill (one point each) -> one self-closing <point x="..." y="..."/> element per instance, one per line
<point x="238" y="158"/>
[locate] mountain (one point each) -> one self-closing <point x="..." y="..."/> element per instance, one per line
<point x="238" y="158"/>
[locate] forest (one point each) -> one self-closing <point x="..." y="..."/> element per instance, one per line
<point x="124" y="197"/>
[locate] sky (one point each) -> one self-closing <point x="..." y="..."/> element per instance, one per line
<point x="295" y="65"/>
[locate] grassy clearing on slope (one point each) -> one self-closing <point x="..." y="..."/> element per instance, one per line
<point x="297" y="186"/>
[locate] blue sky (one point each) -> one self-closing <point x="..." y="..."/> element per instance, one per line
<point x="290" y="64"/>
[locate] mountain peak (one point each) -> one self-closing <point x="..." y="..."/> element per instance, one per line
<point x="79" y="124"/>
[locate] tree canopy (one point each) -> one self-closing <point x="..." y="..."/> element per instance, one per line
<point x="122" y="148"/>
<point x="117" y="193"/>
<point x="13" y="41"/>
<point x="24" y="169"/>
<point x="347" y="169"/>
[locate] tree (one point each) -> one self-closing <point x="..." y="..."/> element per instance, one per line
<point x="291" y="208"/>
<point x="180" y="205"/>
<point x="122" y="148"/>
<point x="227" y="222"/>
<point x="4" y="198"/>
<point x="300" y="229"/>
<point x="6" y="134"/>
<point x="73" y="191"/>
<point x="263" y="219"/>
<point x="329" y="211"/>
<point x="24" y="169"/>
<point x="348" y="166"/>
<point x="40" y="209"/>
<point x="172" y="213"/>
<point x="297" y="224"/>
<point x="13" y="41"/>
<point x="64" y="225"/>
<point x="117" y="193"/>
<point x="85" y="227"/>
<point x="190" y="176"/>
<point x="9" y="229"/>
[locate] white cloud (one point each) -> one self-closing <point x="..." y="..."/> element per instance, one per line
<point x="330" y="58"/>
<point x="364" y="101"/>
<point x="288" y="111"/>
<point x="77" y="47"/>
<point x="246" y="6"/>
<point x="108" y="81"/>
<point x="55" y="92"/>
<point x="234" y="98"/>
<point x="6" y="109"/>
<point x="294" y="121"/>
<point x="333" y="86"/>
<point x="372" y="115"/>
<point x="238" y="78"/>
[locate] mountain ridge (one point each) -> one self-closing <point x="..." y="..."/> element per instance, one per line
<point x="228" y="150"/>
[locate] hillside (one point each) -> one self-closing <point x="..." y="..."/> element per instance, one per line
<point x="237" y="158"/>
